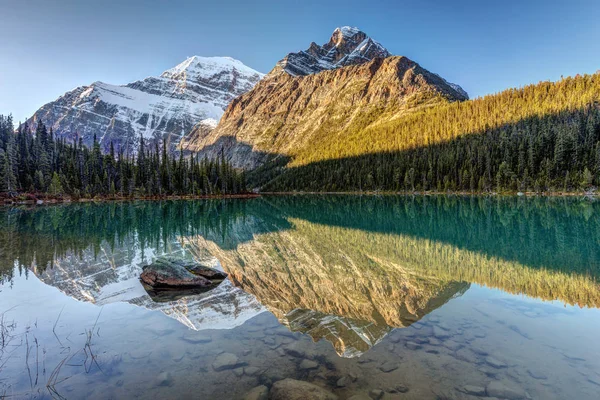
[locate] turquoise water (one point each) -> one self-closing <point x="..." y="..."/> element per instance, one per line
<point x="381" y="296"/>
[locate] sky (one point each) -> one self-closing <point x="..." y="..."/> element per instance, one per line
<point x="50" y="47"/>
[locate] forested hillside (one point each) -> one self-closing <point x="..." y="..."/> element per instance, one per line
<point x="41" y="164"/>
<point x="541" y="137"/>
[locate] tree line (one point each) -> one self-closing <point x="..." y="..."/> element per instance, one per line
<point x="39" y="163"/>
<point x="543" y="137"/>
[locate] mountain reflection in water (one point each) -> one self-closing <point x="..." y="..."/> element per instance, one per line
<point x="382" y="296"/>
<point x="348" y="269"/>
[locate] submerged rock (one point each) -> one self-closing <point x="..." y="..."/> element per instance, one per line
<point x="360" y="396"/>
<point x="494" y="362"/>
<point x="168" y="272"/>
<point x="308" y="364"/>
<point x="343" y="382"/>
<point x="164" y="379"/>
<point x="291" y="389"/>
<point x="226" y="361"/>
<point x="472" y="390"/>
<point x="388" y="366"/>
<point x="505" y="390"/>
<point x="258" y="393"/>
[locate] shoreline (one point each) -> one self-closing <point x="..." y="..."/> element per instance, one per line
<point x="34" y="200"/>
<point x="436" y="193"/>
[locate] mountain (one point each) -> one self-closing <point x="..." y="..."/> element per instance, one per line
<point x="347" y="46"/>
<point x="165" y="107"/>
<point x="348" y="83"/>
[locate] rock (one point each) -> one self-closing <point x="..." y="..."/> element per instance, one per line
<point x="421" y="340"/>
<point x="479" y="334"/>
<point x="478" y="348"/>
<point x="443" y="326"/>
<point x="251" y="371"/>
<point x="226" y="361"/>
<point x="238" y="371"/>
<point x="164" y="379"/>
<point x="207" y="272"/>
<point x="494" y="362"/>
<point x="466" y="355"/>
<point x="440" y="333"/>
<point x="178" y="355"/>
<point x="258" y="393"/>
<point x="291" y="389"/>
<point x="376" y="394"/>
<point x="505" y="390"/>
<point x="431" y="350"/>
<point x="343" y="381"/>
<point x="395" y="338"/>
<point x="138" y="355"/>
<point x="168" y="273"/>
<point x="472" y="390"/>
<point x="295" y="350"/>
<point x="195" y="337"/>
<point x="353" y="376"/>
<point x="308" y="364"/>
<point x="399" y="389"/>
<point x="360" y="396"/>
<point x="537" y="375"/>
<point x="388" y="366"/>
<point x="321" y="376"/>
<point x="452" y="345"/>
<point x="271" y="376"/>
<point x="365" y="360"/>
<point x="412" y="346"/>
<point x="434" y="342"/>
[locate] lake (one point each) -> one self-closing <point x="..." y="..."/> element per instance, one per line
<point x="376" y="297"/>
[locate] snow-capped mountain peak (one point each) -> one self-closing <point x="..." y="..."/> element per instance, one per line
<point x="346" y="31"/>
<point x="164" y="107"/>
<point x="209" y="66"/>
<point x="347" y="46"/>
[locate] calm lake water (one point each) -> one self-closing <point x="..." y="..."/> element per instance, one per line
<point x="385" y="297"/>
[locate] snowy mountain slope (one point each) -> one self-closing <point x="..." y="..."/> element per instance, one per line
<point x="165" y="107"/>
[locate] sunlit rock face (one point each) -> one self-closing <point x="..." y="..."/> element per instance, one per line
<point x="192" y="94"/>
<point x="109" y="275"/>
<point x="347" y="83"/>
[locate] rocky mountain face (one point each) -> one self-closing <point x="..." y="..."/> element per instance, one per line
<point x="165" y="107"/>
<point x="347" y="46"/>
<point x="347" y="84"/>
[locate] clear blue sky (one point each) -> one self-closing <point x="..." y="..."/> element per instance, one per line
<point x="49" y="47"/>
